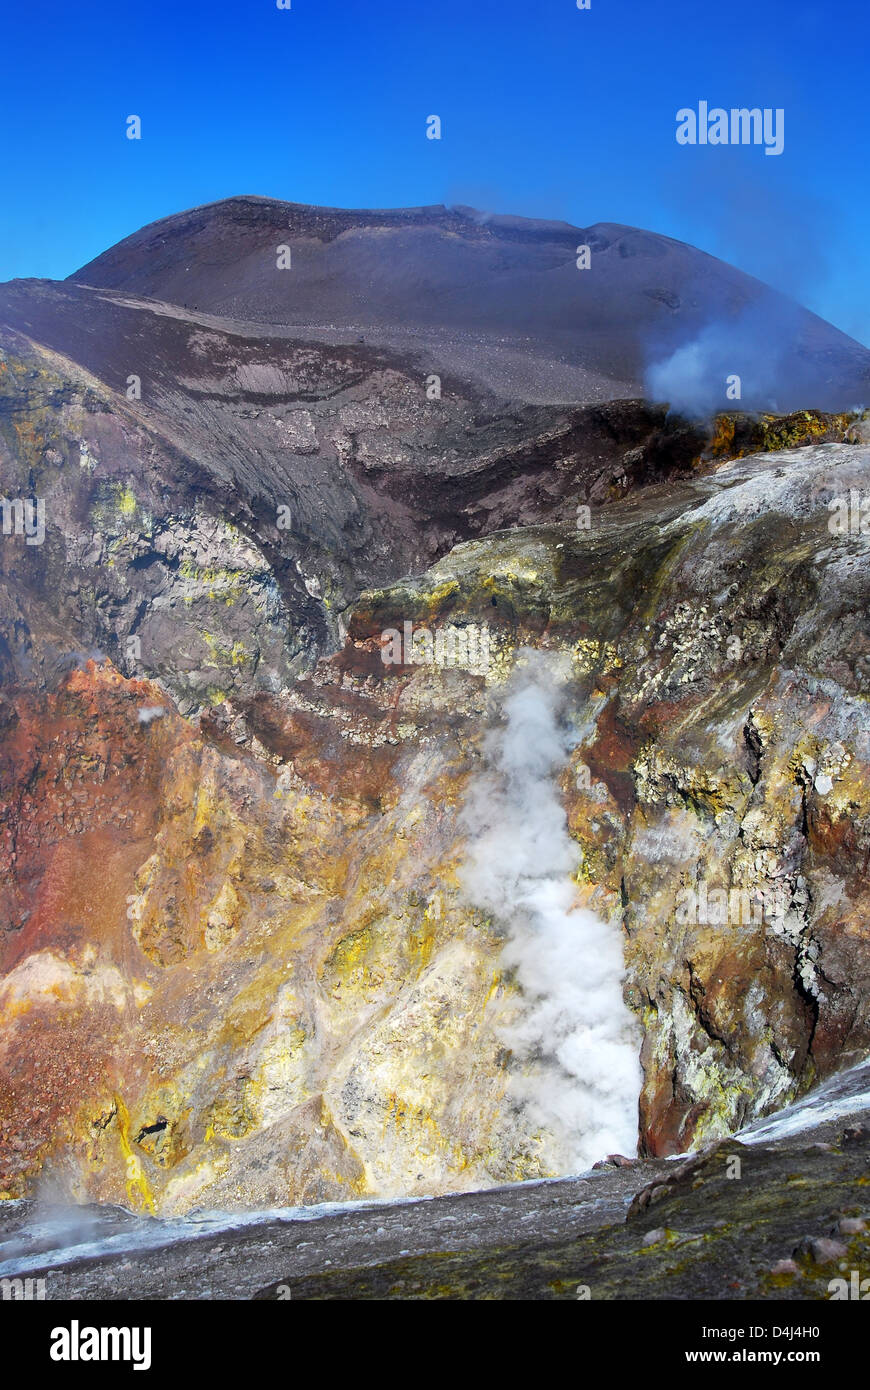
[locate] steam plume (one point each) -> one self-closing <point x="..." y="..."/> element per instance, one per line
<point x="764" y="346"/>
<point x="574" y="1041"/>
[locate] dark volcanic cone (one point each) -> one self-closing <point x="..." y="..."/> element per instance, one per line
<point x="498" y="300"/>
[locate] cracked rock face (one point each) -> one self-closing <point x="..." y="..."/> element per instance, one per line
<point x="238" y="968"/>
<point x="215" y="536"/>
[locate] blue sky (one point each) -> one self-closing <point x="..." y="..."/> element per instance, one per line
<point x="547" y="111"/>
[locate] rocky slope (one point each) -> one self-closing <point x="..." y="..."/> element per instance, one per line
<point x="278" y="993"/>
<point x="229" y="518"/>
<point x="714" y="1226"/>
<point x="534" y="310"/>
<point x="238" y="966"/>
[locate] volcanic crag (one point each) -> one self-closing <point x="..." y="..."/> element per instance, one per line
<point x="237" y="967"/>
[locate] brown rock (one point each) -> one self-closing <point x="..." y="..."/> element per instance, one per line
<point x="655" y="1237"/>
<point x="850" y="1226"/>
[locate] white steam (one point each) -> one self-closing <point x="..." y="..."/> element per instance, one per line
<point x="762" y="353"/>
<point x="148" y="712"/>
<point x="575" y="1047"/>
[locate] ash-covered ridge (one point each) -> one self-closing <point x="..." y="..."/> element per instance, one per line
<point x="448" y="281"/>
